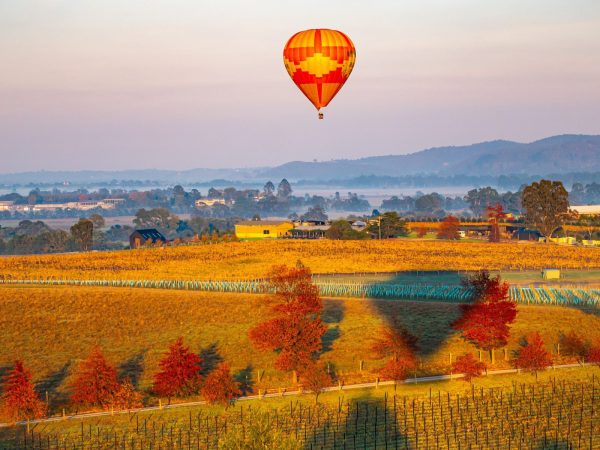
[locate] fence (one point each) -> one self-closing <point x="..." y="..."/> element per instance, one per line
<point x="559" y="415"/>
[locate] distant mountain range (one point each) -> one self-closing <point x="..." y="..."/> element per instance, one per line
<point x="554" y="155"/>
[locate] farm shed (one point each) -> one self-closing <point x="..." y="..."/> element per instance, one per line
<point x="140" y="238"/>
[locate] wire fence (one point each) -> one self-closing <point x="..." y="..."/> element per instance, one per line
<point x="557" y="415"/>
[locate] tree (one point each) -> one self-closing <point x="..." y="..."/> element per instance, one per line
<point x="315" y="378"/>
<point x="284" y="190"/>
<point x="160" y="218"/>
<point x="21" y="400"/>
<point x="573" y="344"/>
<point x="397" y="344"/>
<point x="469" y="366"/>
<point x="95" y="381"/>
<point x="546" y="204"/>
<point x="494" y="214"/>
<point x="315" y="212"/>
<point x="296" y="331"/>
<point x="82" y="233"/>
<point x="594" y="353"/>
<point x="421" y="232"/>
<point x="97" y="220"/>
<point x="179" y="372"/>
<point x="479" y="199"/>
<point x="269" y="189"/>
<point x="485" y="322"/>
<point x="533" y="355"/>
<point x="388" y="225"/>
<point x="449" y="229"/>
<point x="342" y="230"/>
<point x="429" y="202"/>
<point x="126" y="397"/>
<point x="220" y="386"/>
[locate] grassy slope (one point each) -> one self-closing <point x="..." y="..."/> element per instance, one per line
<point x="52" y="328"/>
<point x="253" y="259"/>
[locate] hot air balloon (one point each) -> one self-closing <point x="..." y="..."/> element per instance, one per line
<point x="319" y="62"/>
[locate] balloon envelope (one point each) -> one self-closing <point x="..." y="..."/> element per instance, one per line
<point x="319" y="62"/>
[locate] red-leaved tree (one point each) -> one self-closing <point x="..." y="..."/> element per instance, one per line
<point x="220" y="387"/>
<point x="315" y="378"/>
<point x="449" y="229"/>
<point x="469" y="366"/>
<point x="95" y="381"/>
<point x="20" y="398"/>
<point x="594" y="353"/>
<point x="397" y="344"/>
<point x="179" y="373"/>
<point x="494" y="214"/>
<point x="485" y="322"/>
<point x="296" y="331"/>
<point x="533" y="356"/>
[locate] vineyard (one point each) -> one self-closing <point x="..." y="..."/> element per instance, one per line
<point x="251" y="260"/>
<point x="557" y="414"/>
<point x="544" y="295"/>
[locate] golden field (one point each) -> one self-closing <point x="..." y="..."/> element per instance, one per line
<point x="52" y="328"/>
<point x="248" y="260"/>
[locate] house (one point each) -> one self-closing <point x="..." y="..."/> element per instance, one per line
<point x="587" y="210"/>
<point x="140" y="238"/>
<point x="263" y="229"/>
<point x="527" y="235"/>
<point x="6" y="205"/>
<point x="209" y="202"/>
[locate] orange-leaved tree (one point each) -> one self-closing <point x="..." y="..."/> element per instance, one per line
<point x="127" y="397"/>
<point x="468" y="366"/>
<point x="494" y="214"/>
<point x="485" y="322"/>
<point x="449" y="229"/>
<point x="220" y="387"/>
<point x="296" y="331"/>
<point x="20" y="398"/>
<point x="533" y="355"/>
<point x="315" y="378"/>
<point x="397" y="344"/>
<point x="179" y="373"/>
<point x="95" y="381"/>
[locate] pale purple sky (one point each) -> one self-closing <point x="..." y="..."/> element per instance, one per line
<point x="121" y="84"/>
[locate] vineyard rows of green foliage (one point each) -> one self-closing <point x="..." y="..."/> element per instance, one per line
<point x="447" y="293"/>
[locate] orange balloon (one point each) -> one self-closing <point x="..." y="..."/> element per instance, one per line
<point x="319" y="62"/>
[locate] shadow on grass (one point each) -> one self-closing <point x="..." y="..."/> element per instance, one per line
<point x="209" y="358"/>
<point x="364" y="422"/>
<point x="133" y="368"/>
<point x="51" y="384"/>
<point x="244" y="378"/>
<point x="333" y="314"/>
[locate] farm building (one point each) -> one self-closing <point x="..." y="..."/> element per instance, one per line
<point x="263" y="229"/>
<point x="140" y="238"/>
<point x="587" y="210"/>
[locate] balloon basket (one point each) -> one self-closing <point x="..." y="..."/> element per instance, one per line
<point x="321" y="116"/>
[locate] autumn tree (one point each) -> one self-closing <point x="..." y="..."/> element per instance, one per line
<point x="315" y="378"/>
<point x="421" y="232"/>
<point x="468" y="366"/>
<point x="296" y="331"/>
<point x="533" y="355"/>
<point x="573" y="344"/>
<point x="494" y="214"/>
<point x="95" y="382"/>
<point x="126" y="397"/>
<point x="594" y="353"/>
<point x="220" y="387"/>
<point x="399" y="346"/>
<point x="20" y="398"/>
<point x="485" y="322"/>
<point x="179" y="372"/>
<point x="546" y="204"/>
<point x="449" y="229"/>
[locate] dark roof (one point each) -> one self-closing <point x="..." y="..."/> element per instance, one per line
<point x="150" y="233"/>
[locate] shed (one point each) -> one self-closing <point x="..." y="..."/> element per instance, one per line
<point x="140" y="238"/>
<point x="551" y="274"/>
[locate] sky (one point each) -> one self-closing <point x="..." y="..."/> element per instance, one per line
<point x="179" y="84"/>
